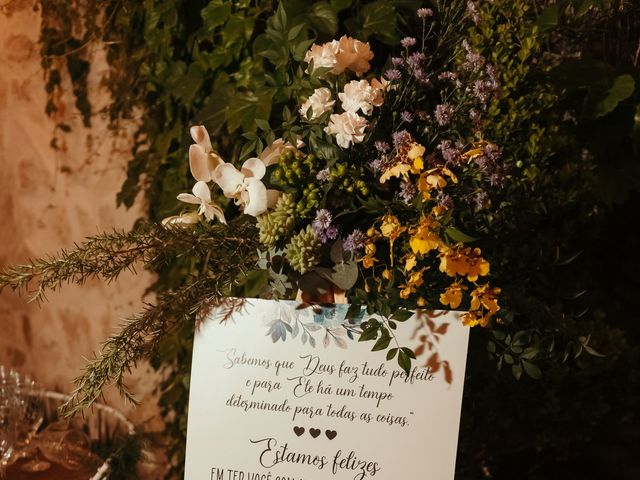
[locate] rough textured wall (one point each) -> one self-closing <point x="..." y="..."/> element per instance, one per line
<point x="50" y="199"/>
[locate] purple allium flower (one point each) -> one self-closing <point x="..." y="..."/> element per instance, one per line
<point x="450" y="153"/>
<point x="420" y="75"/>
<point x="406" y="116"/>
<point x="331" y="232"/>
<point x="382" y="146"/>
<point x="424" y="12"/>
<point x="448" y="76"/>
<point x="397" y="61"/>
<point x="485" y="164"/>
<point x="474" y="12"/>
<point x="481" y="200"/>
<point x="376" y="164"/>
<point x="497" y="179"/>
<point x="323" y="175"/>
<point x="445" y="200"/>
<point x="416" y="58"/>
<point x="354" y="242"/>
<point x="443" y="114"/>
<point x="474" y="59"/>
<point x="493" y="151"/>
<point x="407" y="192"/>
<point x="423" y="115"/>
<point x="393" y="74"/>
<point x="407" y="42"/>
<point x="322" y="221"/>
<point x="401" y="138"/>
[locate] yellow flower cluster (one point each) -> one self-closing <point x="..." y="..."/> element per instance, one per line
<point x="484" y="305"/>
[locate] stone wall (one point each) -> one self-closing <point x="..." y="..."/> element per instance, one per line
<point x="50" y="199"/>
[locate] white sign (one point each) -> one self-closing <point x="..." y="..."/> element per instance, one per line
<point x="286" y="393"/>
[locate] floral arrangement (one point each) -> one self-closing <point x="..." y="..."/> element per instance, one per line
<point x="365" y="191"/>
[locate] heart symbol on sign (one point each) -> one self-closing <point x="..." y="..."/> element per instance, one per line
<point x="331" y="434"/>
<point x="298" y="430"/>
<point x="314" y="432"/>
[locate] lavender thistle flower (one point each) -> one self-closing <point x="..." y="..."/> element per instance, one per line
<point x="376" y="164"/>
<point x="406" y="116"/>
<point x="323" y="175"/>
<point x="382" y="146"/>
<point x="481" y="200"/>
<point x="450" y="153"/>
<point x="474" y="59"/>
<point x="397" y="61"/>
<point x="393" y="74"/>
<point x="322" y="221"/>
<point x="401" y="138"/>
<point x="354" y="242"/>
<point x="445" y="200"/>
<point x="416" y="58"/>
<point x="408" y="192"/>
<point x="407" y="42"/>
<point x="443" y="114"/>
<point x="322" y="226"/>
<point x="497" y="179"/>
<point x="448" y="76"/>
<point x="424" y="12"/>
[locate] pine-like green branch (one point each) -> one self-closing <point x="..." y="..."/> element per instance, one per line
<point x="225" y="253"/>
<point x="109" y="254"/>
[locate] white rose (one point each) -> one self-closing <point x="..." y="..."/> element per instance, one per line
<point x="348" y="127"/>
<point x="323" y="55"/>
<point x="320" y="102"/>
<point x="354" y="55"/>
<point x="357" y="95"/>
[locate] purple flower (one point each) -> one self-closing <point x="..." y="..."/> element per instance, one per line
<point x="424" y="12"/>
<point x="376" y="164"/>
<point x="474" y="59"/>
<point x="407" y="42"/>
<point x="493" y="151"/>
<point x="322" y="221"/>
<point x="474" y="13"/>
<point x="407" y="192"/>
<point x="382" y="146"/>
<point x="420" y="75"/>
<point x="445" y="200"/>
<point x="401" y="138"/>
<point x="450" y="153"/>
<point x="397" y="61"/>
<point x="481" y="200"/>
<point x="406" y="116"/>
<point x="393" y="74"/>
<point x="485" y="163"/>
<point x="497" y="179"/>
<point x="323" y="175"/>
<point x="448" y="76"/>
<point x="331" y="232"/>
<point x="443" y="114"/>
<point x="416" y="58"/>
<point x="354" y="242"/>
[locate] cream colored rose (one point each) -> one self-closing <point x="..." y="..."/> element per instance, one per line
<point x="323" y="55"/>
<point x="320" y="102"/>
<point x="352" y="55"/>
<point x="379" y="87"/>
<point x="348" y="127"/>
<point x="357" y="95"/>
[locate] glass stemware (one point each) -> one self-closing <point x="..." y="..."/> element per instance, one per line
<point x="9" y="407"/>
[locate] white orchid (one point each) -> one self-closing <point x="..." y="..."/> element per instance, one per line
<point x="245" y="186"/>
<point x="183" y="220"/>
<point x="202" y="196"/>
<point x="202" y="159"/>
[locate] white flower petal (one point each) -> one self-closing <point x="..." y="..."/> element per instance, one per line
<point x="182" y="219"/>
<point x="228" y="178"/>
<point x="201" y="190"/>
<point x="188" y="198"/>
<point x="201" y="137"/>
<point x="212" y="211"/>
<point x="255" y="200"/>
<point x="199" y="163"/>
<point x="254" y="167"/>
